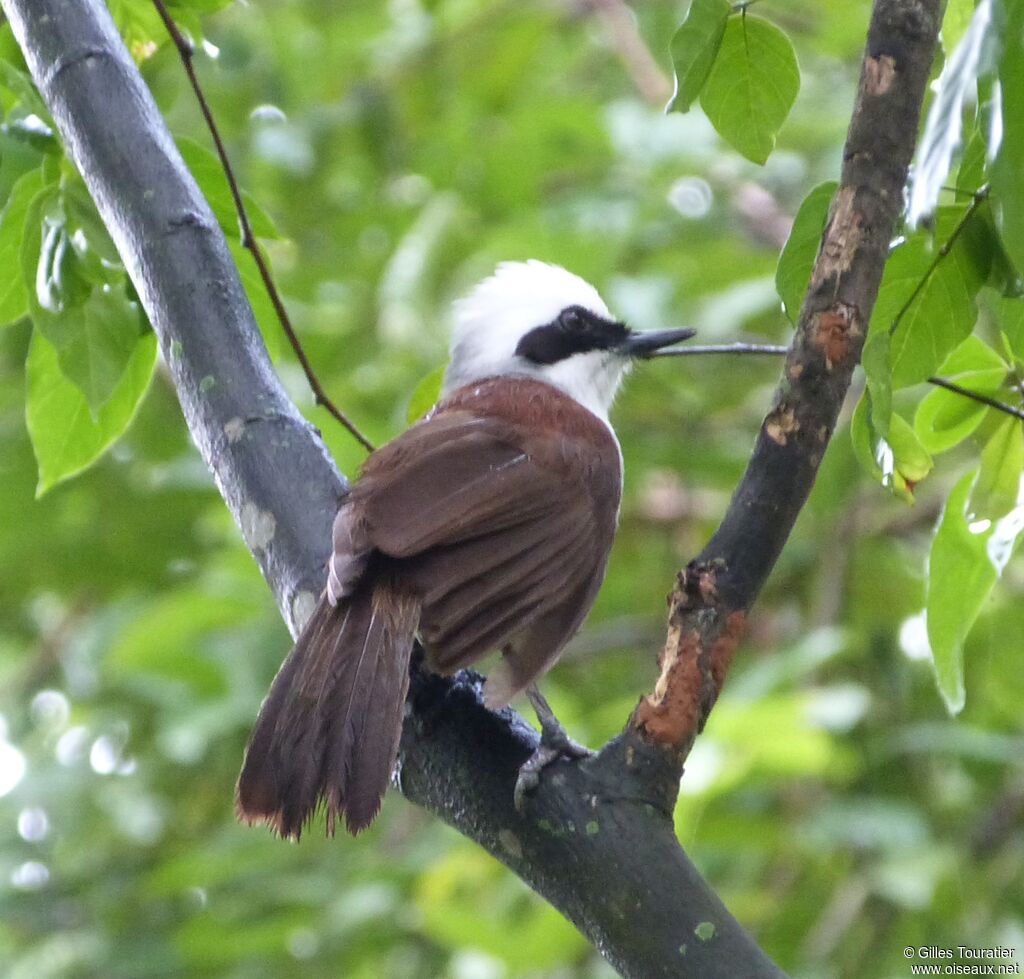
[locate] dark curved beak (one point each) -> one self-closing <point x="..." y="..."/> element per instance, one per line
<point x="646" y="344"/>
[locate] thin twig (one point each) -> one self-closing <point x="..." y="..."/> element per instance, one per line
<point x="778" y="351"/>
<point x="723" y="348"/>
<point x="980" y="196"/>
<point x="186" y="52"/>
<point x="977" y="396"/>
<point x="651" y="82"/>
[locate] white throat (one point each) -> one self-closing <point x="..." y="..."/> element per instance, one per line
<point x="501" y="310"/>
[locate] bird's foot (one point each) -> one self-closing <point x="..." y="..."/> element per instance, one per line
<point x="555" y="743"/>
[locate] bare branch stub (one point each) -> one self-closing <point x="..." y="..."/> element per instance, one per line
<point x="709" y="603"/>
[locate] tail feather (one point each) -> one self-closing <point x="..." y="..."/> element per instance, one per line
<point x="373" y="765"/>
<point x="328" y="731"/>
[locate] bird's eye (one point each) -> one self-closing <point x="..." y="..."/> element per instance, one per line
<point x="572" y="320"/>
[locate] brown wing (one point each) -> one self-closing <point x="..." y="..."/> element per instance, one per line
<point x="443" y="500"/>
<point x="482" y="592"/>
<point x="451" y="478"/>
<point x="434" y="485"/>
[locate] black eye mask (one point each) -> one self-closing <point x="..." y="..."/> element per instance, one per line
<point x="575" y="330"/>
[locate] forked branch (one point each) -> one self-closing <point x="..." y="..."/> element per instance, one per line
<point x="604" y="820"/>
<point x="709" y="604"/>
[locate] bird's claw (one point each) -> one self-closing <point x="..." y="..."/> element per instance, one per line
<point x="554" y="744"/>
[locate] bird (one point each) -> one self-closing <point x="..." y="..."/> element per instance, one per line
<point x="484" y="527"/>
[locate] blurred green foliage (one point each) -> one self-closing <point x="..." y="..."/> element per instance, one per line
<point x="397" y="152"/>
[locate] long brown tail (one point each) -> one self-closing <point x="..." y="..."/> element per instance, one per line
<point x="329" y="729"/>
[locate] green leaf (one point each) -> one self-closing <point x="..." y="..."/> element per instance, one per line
<point x="19" y="82"/>
<point x="42" y="214"/>
<point x="931" y="303"/>
<point x="793" y="273"/>
<point x="968" y="554"/>
<point x="752" y="86"/>
<point x="18" y="156"/>
<point x="863" y="436"/>
<point x="971" y="173"/>
<point x="65" y="437"/>
<point x="94" y="330"/>
<point x="1002" y="275"/>
<point x="694" y="49"/>
<point x="15" y="161"/>
<point x="973" y="355"/>
<point x="898" y="461"/>
<point x="13" y="296"/>
<point x="140" y="25"/>
<point x="912" y="460"/>
<point x="876" y="359"/>
<point x="1008" y="165"/>
<point x="944" y="418"/>
<point x="94" y="340"/>
<point x="1010" y="317"/>
<point x="61" y="282"/>
<point x="209" y="174"/>
<point x="425" y="394"/>
<point x="82" y="216"/>
<point x="33" y="133"/>
<point x="998" y="487"/>
<point x="955" y="22"/>
<point x="941" y="135"/>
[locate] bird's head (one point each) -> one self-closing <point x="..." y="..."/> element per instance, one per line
<point x="534" y="319"/>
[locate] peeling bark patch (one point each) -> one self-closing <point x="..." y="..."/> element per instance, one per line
<point x="705" y="931"/>
<point x="779" y="425"/>
<point x="724" y="647"/>
<point x="510" y="844"/>
<point x="670" y="715"/>
<point x="879" y="74"/>
<point x="842" y="240"/>
<point x="234" y="429"/>
<point x="832" y="335"/>
<point x="303" y="605"/>
<point x="709" y="586"/>
<point x="696" y="588"/>
<point x="258" y="526"/>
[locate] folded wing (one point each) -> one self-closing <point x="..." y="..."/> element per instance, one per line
<point x="493" y="529"/>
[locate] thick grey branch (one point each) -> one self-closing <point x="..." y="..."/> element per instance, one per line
<point x="269" y="463"/>
<point x="584" y="829"/>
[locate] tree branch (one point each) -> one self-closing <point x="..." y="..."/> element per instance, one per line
<point x="182" y="270"/>
<point x="713" y="594"/>
<point x="654" y="86"/>
<point x="586" y="824"/>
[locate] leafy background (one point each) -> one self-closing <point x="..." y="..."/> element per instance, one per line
<point x="397" y="152"/>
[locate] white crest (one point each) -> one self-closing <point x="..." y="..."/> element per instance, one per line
<point x="520" y="296"/>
